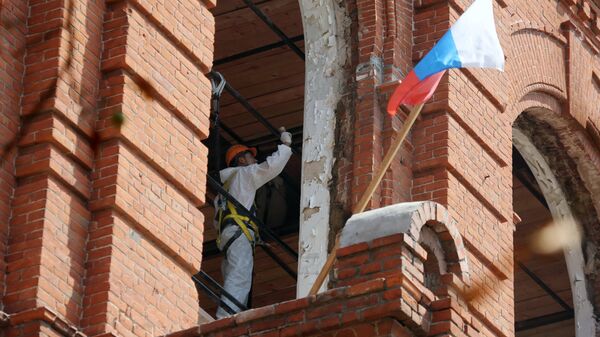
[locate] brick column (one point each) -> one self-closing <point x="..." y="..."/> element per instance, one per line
<point x="149" y="175"/>
<point x="385" y="40"/>
<point x="48" y="228"/>
<point x="13" y="16"/>
<point x="462" y="160"/>
<point x="104" y="230"/>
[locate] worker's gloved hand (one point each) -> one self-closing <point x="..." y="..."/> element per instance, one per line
<point x="286" y="137"/>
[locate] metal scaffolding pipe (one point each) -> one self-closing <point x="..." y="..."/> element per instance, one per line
<point x="244" y="102"/>
<point x="544" y="286"/>
<point x="544" y="320"/>
<point x="274" y="28"/>
<point x="255" y="51"/>
<point x="211" y="293"/>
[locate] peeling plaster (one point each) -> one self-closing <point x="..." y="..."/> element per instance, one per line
<point x="561" y="211"/>
<point x="325" y="23"/>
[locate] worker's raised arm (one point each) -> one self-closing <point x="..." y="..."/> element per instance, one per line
<point x="264" y="172"/>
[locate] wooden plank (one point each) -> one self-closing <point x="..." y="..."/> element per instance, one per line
<point x="255" y="129"/>
<point x="261" y="75"/>
<point x="226" y="6"/>
<point x="242" y="30"/>
<point x="270" y="105"/>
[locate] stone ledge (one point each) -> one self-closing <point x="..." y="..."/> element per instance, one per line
<point x="405" y="218"/>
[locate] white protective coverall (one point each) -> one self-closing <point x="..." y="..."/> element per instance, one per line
<point x="238" y="264"/>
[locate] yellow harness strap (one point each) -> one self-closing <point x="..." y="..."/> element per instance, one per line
<point x="239" y="219"/>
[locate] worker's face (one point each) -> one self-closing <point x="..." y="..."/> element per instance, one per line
<point x="247" y="159"/>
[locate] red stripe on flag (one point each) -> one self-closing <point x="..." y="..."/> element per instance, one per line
<point x="412" y="91"/>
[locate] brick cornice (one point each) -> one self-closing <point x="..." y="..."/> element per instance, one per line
<point x="585" y="20"/>
<point x="43" y="314"/>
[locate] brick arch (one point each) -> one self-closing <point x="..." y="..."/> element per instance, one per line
<point x="410" y="218"/>
<point x="540" y="96"/>
<point x="539" y="62"/>
<point x="551" y="32"/>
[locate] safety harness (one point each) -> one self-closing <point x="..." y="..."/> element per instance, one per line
<point x="227" y="214"/>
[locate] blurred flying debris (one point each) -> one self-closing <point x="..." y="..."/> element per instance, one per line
<point x="555" y="237"/>
<point x="118" y="118"/>
<point x="551" y="238"/>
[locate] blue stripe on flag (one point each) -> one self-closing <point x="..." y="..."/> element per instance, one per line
<point x="443" y="56"/>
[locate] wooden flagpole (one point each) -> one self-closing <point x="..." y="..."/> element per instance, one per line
<point x="364" y="200"/>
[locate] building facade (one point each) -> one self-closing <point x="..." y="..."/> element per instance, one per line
<point x="103" y="174"/>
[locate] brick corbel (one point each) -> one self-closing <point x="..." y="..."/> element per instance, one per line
<point x="588" y="36"/>
<point x="210" y="3"/>
<point x="43" y="314"/>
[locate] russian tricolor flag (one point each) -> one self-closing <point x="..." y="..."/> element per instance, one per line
<point x="471" y="42"/>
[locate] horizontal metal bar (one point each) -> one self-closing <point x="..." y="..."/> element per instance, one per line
<point x="280" y="262"/>
<point x="214" y="296"/>
<point x="544" y="286"/>
<point x="255" y="51"/>
<point x="297" y="131"/>
<point x="222" y="290"/>
<point x="274" y="28"/>
<point x="210" y="248"/>
<point x="244" y="102"/>
<point x="231" y="133"/>
<point x="537" y="322"/>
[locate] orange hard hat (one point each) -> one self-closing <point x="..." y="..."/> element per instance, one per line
<point x="237" y="149"/>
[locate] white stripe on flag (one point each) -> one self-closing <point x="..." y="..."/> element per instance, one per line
<point x="475" y="37"/>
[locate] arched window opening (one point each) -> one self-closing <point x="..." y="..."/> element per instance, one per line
<point x="435" y="266"/>
<point x="551" y="292"/>
<point x="258" y="86"/>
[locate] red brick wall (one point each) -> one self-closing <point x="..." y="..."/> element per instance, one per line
<point x="12" y="34"/>
<point x="378" y="291"/>
<point x="102" y="232"/>
<point x="459" y="152"/>
<point x="105" y="104"/>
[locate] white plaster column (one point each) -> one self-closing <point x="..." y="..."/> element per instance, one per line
<point x="324" y="24"/>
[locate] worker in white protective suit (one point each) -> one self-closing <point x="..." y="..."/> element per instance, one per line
<point x="237" y="233"/>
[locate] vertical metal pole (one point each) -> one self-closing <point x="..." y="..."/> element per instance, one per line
<point x="218" y="84"/>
